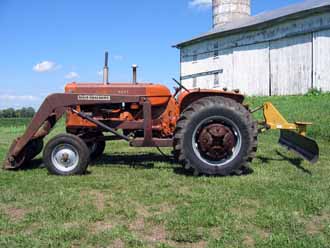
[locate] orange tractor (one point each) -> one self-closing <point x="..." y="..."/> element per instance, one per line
<point x="212" y="132"/>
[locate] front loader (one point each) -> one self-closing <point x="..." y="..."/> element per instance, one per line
<point x="211" y="132"/>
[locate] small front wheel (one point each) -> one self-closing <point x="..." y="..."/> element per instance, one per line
<point x="66" y="155"/>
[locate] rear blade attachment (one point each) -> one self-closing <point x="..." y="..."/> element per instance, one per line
<point x="303" y="146"/>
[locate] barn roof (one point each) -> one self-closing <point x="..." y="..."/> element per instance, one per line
<point x="264" y="18"/>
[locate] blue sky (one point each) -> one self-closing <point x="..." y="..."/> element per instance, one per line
<point x="45" y="44"/>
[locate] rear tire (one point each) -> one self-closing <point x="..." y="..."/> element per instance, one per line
<point x="66" y="155"/>
<point x="215" y="136"/>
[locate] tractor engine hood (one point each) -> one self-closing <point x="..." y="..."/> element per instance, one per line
<point x="156" y="93"/>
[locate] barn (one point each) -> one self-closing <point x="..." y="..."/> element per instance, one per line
<point x="281" y="52"/>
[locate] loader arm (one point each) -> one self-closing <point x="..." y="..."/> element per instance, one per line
<point x="50" y="111"/>
<point x="292" y="135"/>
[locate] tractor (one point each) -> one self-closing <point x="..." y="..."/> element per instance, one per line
<point x="212" y="132"/>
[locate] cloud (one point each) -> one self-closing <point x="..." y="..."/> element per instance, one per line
<point x="200" y="3"/>
<point x="45" y="66"/>
<point x="19" y="101"/>
<point x="7" y="97"/>
<point x="72" y="75"/>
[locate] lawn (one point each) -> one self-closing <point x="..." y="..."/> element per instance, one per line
<point x="138" y="198"/>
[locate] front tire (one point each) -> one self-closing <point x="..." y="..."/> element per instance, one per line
<point x="66" y="155"/>
<point x="215" y="136"/>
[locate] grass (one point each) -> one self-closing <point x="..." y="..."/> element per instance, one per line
<point x="137" y="198"/>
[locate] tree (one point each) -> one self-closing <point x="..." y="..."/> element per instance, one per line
<point x="9" y="113"/>
<point x="18" y="113"/>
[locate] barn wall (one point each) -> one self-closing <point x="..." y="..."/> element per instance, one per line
<point x="251" y="69"/>
<point x="291" y="65"/>
<point x="283" y="59"/>
<point x="321" y="60"/>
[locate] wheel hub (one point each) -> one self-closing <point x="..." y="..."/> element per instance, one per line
<point x="216" y="141"/>
<point x="65" y="157"/>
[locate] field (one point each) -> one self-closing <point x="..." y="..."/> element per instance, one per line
<point x="139" y="198"/>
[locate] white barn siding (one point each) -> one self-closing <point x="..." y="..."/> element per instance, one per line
<point x="251" y="69"/>
<point x="225" y="62"/>
<point x="291" y="56"/>
<point x="291" y="65"/>
<point x="321" y="60"/>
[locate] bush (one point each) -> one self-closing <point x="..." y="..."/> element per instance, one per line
<point x="314" y="92"/>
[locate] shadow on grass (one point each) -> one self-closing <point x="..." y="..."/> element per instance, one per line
<point x="296" y="162"/>
<point x="33" y="164"/>
<point x="138" y="161"/>
<point x="147" y="161"/>
<point x="243" y="172"/>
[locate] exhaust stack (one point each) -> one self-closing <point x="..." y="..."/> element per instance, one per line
<point x="134" y="67"/>
<point x="106" y="69"/>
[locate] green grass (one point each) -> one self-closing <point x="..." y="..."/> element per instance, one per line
<point x="137" y="198"/>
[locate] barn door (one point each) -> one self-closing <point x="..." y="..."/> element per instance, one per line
<point x="321" y="60"/>
<point x="251" y="69"/>
<point x="291" y="65"/>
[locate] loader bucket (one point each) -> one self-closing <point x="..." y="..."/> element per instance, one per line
<point x="303" y="146"/>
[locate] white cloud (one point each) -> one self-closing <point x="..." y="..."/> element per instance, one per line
<point x="6" y="97"/>
<point x="45" y="66"/>
<point x="18" y="101"/>
<point x="72" y="75"/>
<point x="200" y="3"/>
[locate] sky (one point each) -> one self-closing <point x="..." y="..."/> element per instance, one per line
<point x="45" y="44"/>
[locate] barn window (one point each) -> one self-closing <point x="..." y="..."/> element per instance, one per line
<point x="216" y="54"/>
<point x="194" y="82"/>
<point x="216" y="50"/>
<point x="216" y="79"/>
<point x="195" y="57"/>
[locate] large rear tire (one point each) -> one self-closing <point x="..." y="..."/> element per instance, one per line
<point x="215" y="136"/>
<point x="66" y="155"/>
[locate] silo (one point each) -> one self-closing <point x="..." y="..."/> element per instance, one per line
<point x="225" y="11"/>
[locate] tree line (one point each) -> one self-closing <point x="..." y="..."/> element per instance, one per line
<point x="17" y="113"/>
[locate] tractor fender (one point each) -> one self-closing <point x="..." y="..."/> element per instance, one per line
<point x="187" y="98"/>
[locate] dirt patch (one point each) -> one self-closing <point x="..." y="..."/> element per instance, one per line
<point x="216" y="232"/>
<point x="118" y="244"/>
<point x="200" y="244"/>
<point x="249" y="241"/>
<point x="142" y="211"/>
<point x="316" y="224"/>
<point x="100" y="226"/>
<point x="163" y="209"/>
<point x="137" y="225"/>
<point x="97" y="198"/>
<point x="70" y="225"/>
<point x="15" y="214"/>
<point x="263" y="234"/>
<point x="157" y="234"/>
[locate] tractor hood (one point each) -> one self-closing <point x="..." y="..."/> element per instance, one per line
<point x="130" y="89"/>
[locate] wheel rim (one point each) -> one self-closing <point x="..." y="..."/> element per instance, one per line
<point x="65" y="157"/>
<point x="216" y="141"/>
